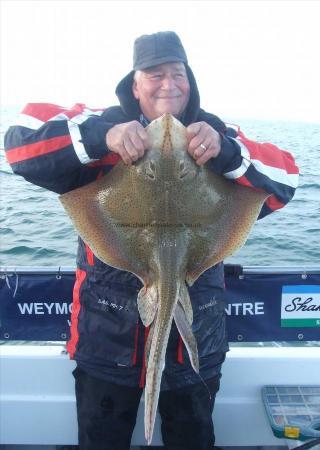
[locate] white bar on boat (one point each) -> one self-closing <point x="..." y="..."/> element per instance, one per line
<point x="246" y="269"/>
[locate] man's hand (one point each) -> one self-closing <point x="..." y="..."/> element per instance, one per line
<point x="129" y="140"/>
<point x="204" y="142"/>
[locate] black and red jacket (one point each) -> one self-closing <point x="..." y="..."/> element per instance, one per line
<point x="62" y="149"/>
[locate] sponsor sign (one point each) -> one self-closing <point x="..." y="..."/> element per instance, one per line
<point x="259" y="307"/>
<point x="300" y="306"/>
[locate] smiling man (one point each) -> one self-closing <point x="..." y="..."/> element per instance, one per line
<point x="61" y="149"/>
<point x="163" y="88"/>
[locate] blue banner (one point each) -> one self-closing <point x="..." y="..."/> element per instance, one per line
<point x="261" y="307"/>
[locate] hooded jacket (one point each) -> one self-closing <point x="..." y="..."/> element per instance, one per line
<point x="61" y="149"/>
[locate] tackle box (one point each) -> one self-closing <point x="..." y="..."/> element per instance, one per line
<point x="293" y="411"/>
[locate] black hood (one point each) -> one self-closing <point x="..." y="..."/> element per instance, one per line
<point x="131" y="108"/>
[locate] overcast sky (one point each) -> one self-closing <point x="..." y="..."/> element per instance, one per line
<point x="252" y="59"/>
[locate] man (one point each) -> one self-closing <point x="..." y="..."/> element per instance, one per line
<point x="61" y="150"/>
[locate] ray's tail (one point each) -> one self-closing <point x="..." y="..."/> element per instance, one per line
<point x="168" y="293"/>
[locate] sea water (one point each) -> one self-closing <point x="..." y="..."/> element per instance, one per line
<point x="35" y="230"/>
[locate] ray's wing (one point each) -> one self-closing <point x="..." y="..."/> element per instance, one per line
<point x="229" y="228"/>
<point x="105" y="213"/>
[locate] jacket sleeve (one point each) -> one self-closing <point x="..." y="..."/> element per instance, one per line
<point x="260" y="166"/>
<point x="52" y="146"/>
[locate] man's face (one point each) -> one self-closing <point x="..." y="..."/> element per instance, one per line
<point x="162" y="89"/>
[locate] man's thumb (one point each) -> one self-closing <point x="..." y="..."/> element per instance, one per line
<point x="193" y="129"/>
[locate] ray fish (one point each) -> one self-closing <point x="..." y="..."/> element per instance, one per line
<point x="166" y="220"/>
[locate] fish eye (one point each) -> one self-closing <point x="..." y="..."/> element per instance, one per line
<point x="151" y="170"/>
<point x="183" y="170"/>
